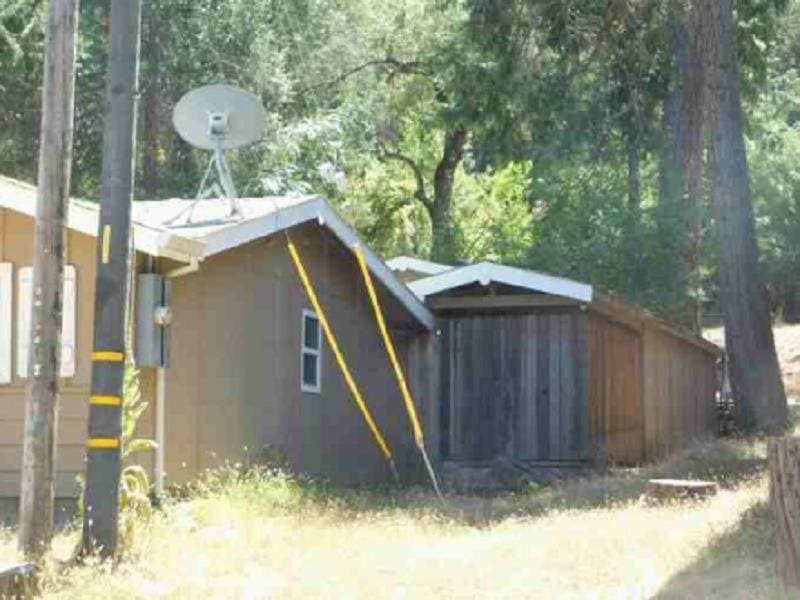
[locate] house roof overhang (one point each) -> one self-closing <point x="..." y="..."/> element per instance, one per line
<point x="162" y="229"/>
<point x="485" y="273"/>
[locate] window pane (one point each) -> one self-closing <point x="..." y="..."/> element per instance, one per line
<point x="311" y="332"/>
<point x="310" y="369"/>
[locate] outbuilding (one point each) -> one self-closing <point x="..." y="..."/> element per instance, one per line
<point x="504" y="364"/>
<point x="548" y="373"/>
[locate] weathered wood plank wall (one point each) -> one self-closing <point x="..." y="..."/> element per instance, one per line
<point x="680" y="385"/>
<point x="515" y="385"/>
<point x="615" y="392"/>
<point x="422" y="373"/>
<point x="651" y="393"/>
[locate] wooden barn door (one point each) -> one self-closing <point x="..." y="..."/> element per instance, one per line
<point x="515" y="385"/>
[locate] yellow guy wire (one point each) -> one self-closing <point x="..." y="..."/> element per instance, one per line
<point x="398" y="370"/>
<point x="348" y="377"/>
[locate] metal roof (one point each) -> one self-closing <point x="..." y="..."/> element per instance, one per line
<point x="188" y="230"/>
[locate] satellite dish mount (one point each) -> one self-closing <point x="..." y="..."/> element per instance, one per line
<point x="217" y="128"/>
<point x="218" y="118"/>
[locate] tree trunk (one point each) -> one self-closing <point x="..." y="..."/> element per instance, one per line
<point x="784" y="496"/>
<point x="692" y="131"/>
<point x="441" y="211"/>
<point x="634" y="169"/>
<point x="755" y="375"/>
<point x="52" y="198"/>
<point x="790" y="302"/>
<point x="150" y="51"/>
<point x="680" y="189"/>
<point x="671" y="176"/>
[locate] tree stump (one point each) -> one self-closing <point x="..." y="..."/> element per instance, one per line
<point x="679" y="489"/>
<point x="784" y="495"/>
<point x="18" y="582"/>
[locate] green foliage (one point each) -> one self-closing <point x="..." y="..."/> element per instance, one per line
<point x="559" y="100"/>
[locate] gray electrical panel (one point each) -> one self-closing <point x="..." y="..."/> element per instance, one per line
<point x="152" y="320"/>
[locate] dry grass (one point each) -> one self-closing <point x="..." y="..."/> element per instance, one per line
<point x="274" y="537"/>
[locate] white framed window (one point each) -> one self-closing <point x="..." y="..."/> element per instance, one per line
<point x="310" y="353"/>
<point x="68" y="317"/>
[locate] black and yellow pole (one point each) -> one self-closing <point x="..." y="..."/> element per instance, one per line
<point x="101" y="517"/>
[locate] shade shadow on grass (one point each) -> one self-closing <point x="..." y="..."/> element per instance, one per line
<point x="737" y="564"/>
<point x="727" y="462"/>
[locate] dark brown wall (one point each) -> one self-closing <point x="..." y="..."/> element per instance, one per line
<point x="680" y="386"/>
<point x="234" y="381"/>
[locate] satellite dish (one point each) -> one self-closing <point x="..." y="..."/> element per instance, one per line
<point x="219" y="117"/>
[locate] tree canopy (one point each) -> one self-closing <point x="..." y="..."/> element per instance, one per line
<point x="539" y="133"/>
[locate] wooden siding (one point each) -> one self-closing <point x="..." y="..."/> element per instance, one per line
<point x="233" y="386"/>
<point x="680" y="387"/>
<point x="515" y="385"/>
<point x="16" y="246"/>
<point x="615" y="392"/>
<point x="651" y="393"/>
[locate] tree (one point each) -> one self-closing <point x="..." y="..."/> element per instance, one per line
<point x="755" y="374"/>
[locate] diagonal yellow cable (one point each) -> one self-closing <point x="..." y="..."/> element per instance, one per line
<point x="398" y="370"/>
<point x="351" y="384"/>
<point x="387" y="341"/>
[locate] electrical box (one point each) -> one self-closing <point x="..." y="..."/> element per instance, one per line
<point x="153" y="317"/>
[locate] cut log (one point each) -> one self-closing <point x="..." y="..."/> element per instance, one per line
<point x="679" y="489"/>
<point x="784" y="494"/>
<point x="18" y="582"/>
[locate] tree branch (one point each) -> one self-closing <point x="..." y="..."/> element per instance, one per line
<point x="420" y="193"/>
<point x="11" y="39"/>
<point x="16" y="49"/>
<point x="399" y="67"/>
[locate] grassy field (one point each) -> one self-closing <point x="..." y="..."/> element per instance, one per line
<point x="274" y="537"/>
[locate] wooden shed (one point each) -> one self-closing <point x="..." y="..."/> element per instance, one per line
<point x="546" y="372"/>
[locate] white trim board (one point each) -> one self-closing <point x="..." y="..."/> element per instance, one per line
<point x="6" y="320"/>
<point x="416" y="265"/>
<point x="485" y="273"/>
<point x="316" y="209"/>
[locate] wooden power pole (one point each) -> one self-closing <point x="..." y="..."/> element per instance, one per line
<point x="52" y="198"/>
<point x="101" y="516"/>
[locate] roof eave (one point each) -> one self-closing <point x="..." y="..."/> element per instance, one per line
<point x="316" y="209"/>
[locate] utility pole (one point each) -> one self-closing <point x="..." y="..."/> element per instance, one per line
<point x="101" y="517"/>
<point x="52" y="198"/>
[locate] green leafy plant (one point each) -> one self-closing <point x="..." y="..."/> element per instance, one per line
<point x="134" y="484"/>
